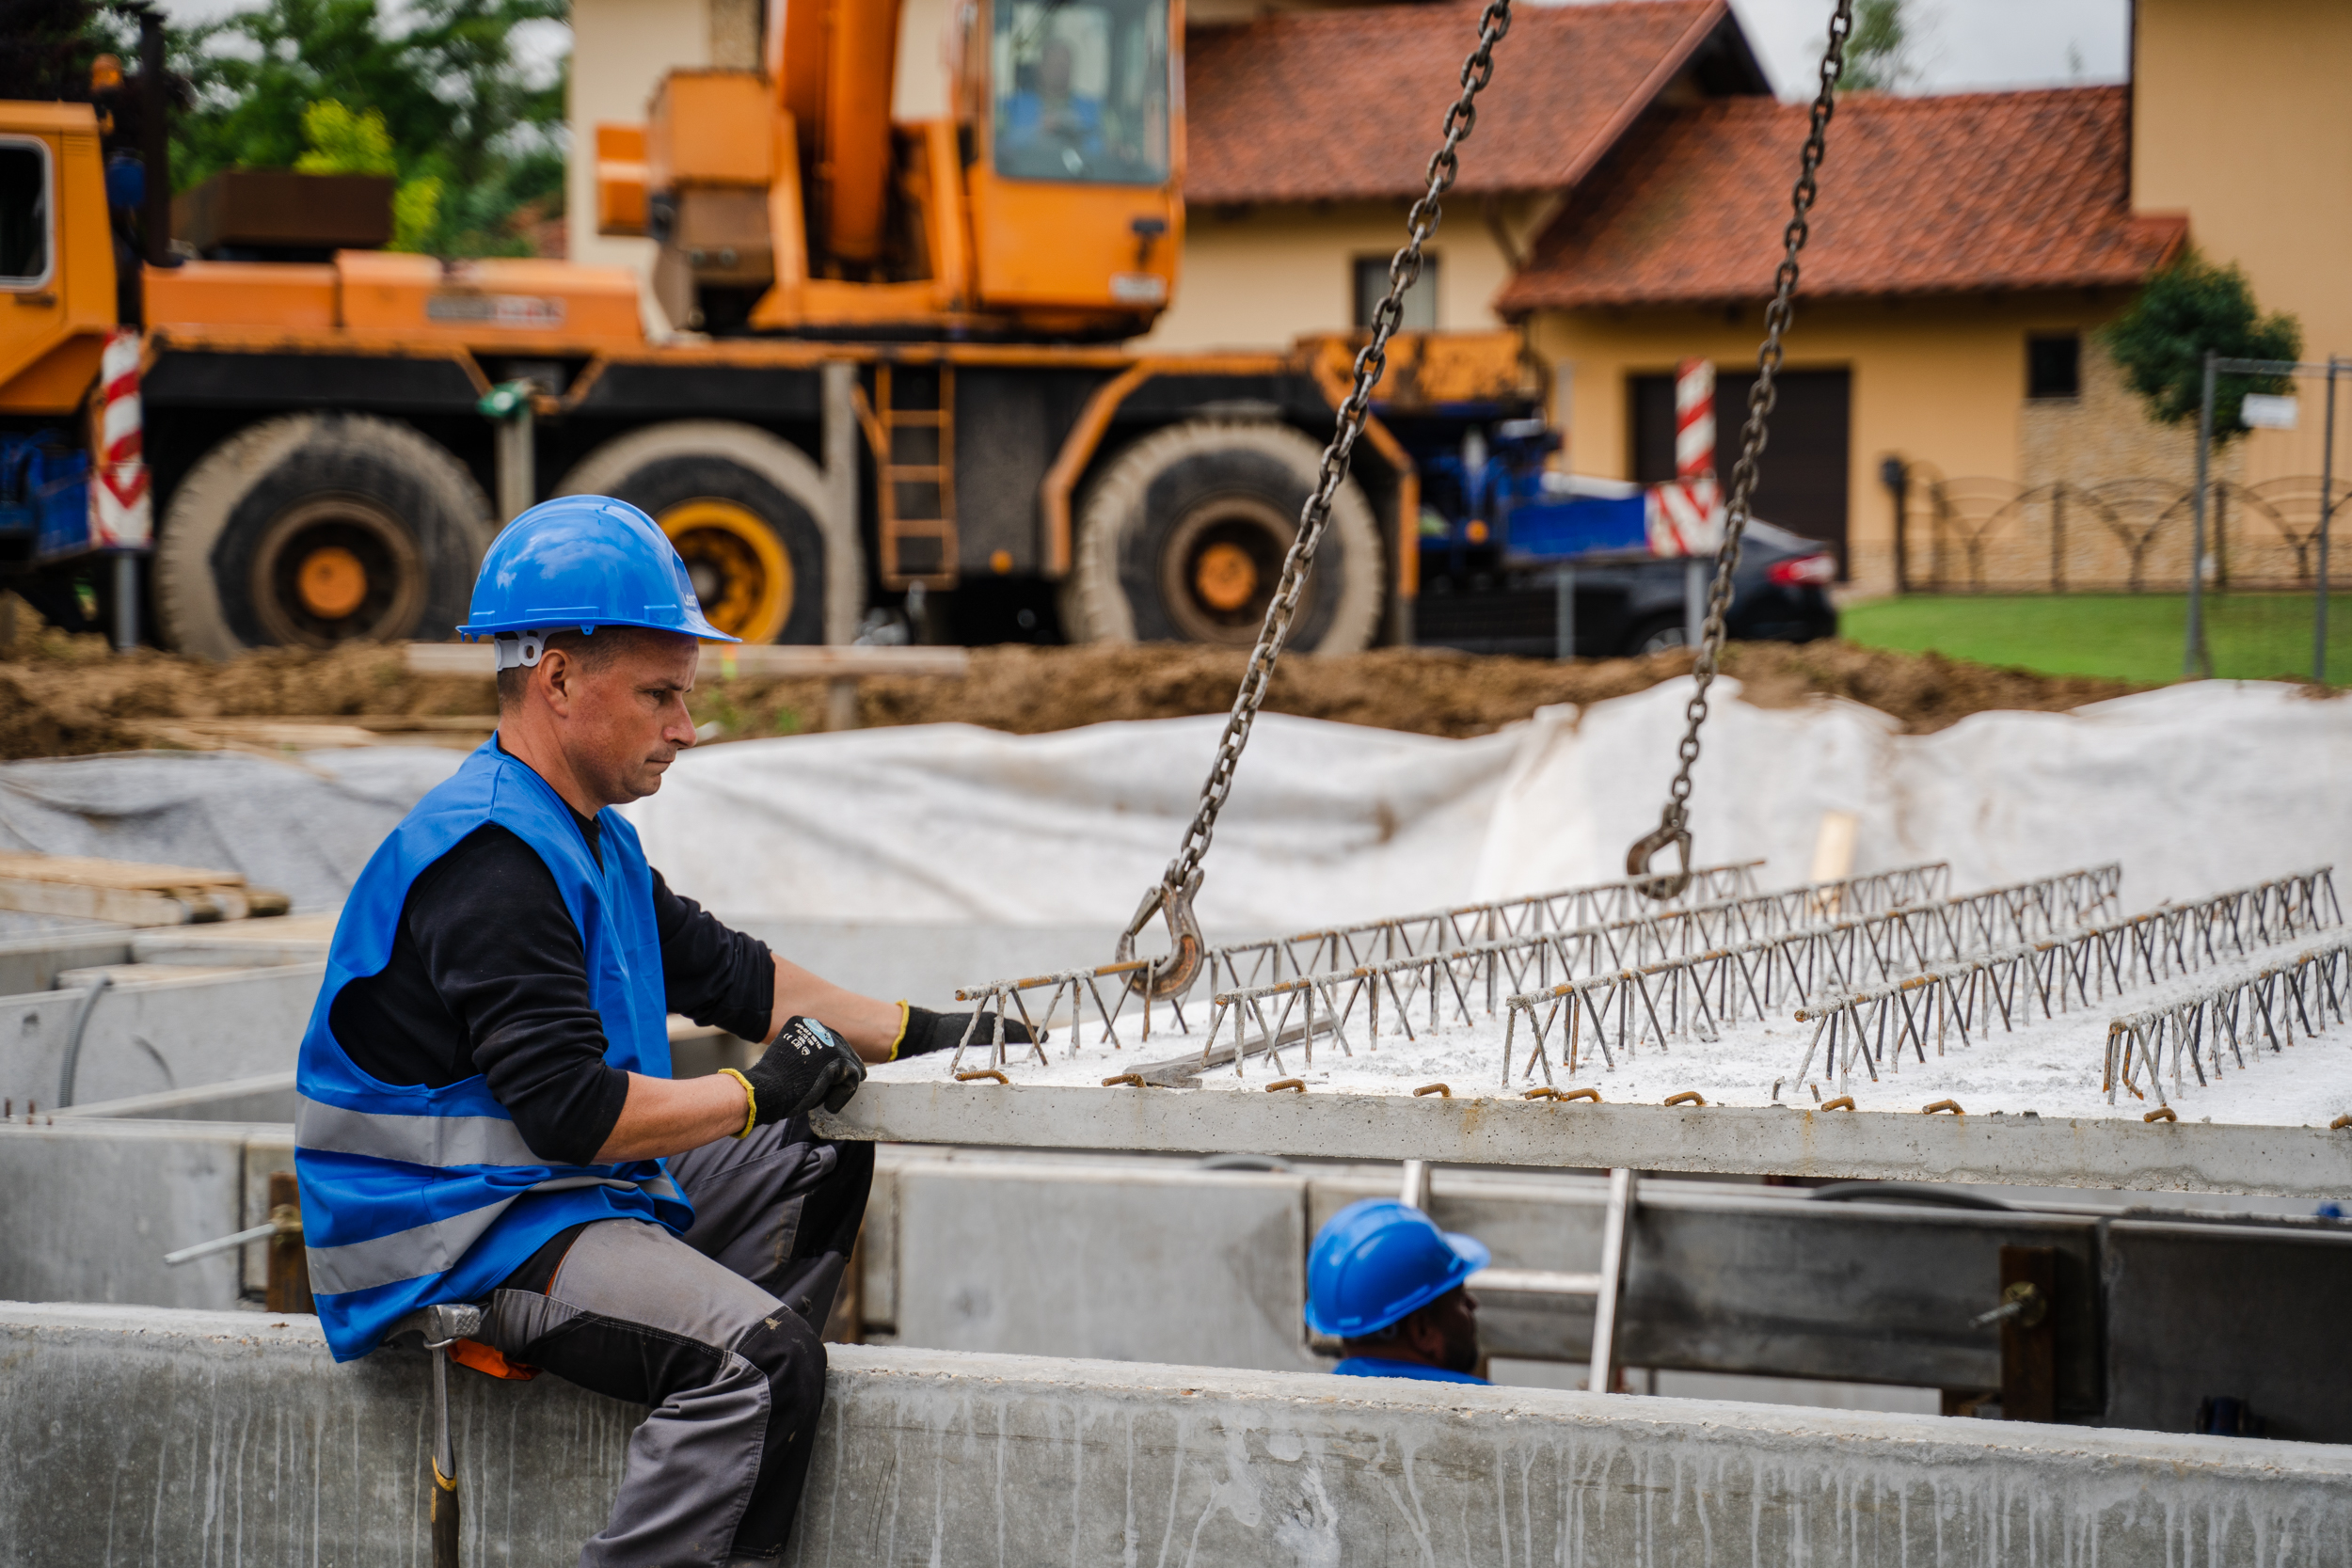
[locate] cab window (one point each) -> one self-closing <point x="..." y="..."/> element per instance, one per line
<point x="23" y="215"/>
<point x="1081" y="90"/>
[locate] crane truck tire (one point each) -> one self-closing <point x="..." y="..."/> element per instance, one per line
<point x="317" y="530"/>
<point x="741" y="506"/>
<point x="1182" y="540"/>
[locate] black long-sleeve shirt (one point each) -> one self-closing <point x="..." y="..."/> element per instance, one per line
<point x="487" y="974"/>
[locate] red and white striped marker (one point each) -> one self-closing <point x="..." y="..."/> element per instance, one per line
<point x="1694" y="419"/>
<point x="121" y="517"/>
<point x="1685" y="516"/>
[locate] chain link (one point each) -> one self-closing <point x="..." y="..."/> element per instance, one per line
<point x="1174" y="893"/>
<point x="1673" y="826"/>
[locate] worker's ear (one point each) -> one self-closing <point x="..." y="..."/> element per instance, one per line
<point x="559" y="677"/>
<point x="1421" y="1332"/>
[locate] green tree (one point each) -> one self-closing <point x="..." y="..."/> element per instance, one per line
<point x="2192" y="308"/>
<point x="473" y="142"/>
<point x="346" y="143"/>
<point x="1879" y="50"/>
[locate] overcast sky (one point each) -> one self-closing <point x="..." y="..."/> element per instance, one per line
<point x="1964" y="44"/>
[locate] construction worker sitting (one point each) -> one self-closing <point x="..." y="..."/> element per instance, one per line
<point x="488" y="1115"/>
<point x="1387" y="1283"/>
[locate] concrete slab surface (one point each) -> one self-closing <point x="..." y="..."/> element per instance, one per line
<point x="1720" y="1140"/>
<point x="139" y="1435"/>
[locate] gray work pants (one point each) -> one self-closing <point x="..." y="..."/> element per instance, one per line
<point x="717" y="1331"/>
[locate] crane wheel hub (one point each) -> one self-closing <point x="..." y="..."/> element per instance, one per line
<point x="331" y="582"/>
<point x="737" y="565"/>
<point x="1224" y="576"/>
<point x="1221" y="563"/>
<point x="334" y="568"/>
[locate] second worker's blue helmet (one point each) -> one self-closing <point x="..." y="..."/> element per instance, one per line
<point x="1377" y="1261"/>
<point x="584" y="562"/>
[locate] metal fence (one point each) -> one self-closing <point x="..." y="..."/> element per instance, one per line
<point x="2121" y="536"/>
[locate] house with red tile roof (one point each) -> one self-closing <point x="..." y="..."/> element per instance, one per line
<point x="1957" y="243"/>
<point x="1308" y="135"/>
<point x="1624" y="198"/>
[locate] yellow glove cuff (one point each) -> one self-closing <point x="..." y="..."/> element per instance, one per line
<point x="751" y="1103"/>
<point x="905" y="1013"/>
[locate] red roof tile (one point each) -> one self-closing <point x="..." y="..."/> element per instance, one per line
<point x="1349" y="105"/>
<point x="1966" y="193"/>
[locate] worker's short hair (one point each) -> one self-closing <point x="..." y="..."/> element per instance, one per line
<point x="590" y="651"/>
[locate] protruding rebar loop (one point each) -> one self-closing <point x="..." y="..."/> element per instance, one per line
<point x="1674" y="823"/>
<point x="1181" y="878"/>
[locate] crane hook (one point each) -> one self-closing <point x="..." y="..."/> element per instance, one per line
<point x="1172" y="976"/>
<point x="1670" y="830"/>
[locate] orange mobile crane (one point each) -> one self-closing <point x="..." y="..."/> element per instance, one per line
<point x="883" y="358"/>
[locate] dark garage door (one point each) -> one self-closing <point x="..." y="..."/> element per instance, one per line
<point x="1802" y="482"/>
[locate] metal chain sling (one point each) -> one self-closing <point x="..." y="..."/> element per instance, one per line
<point x="1172" y="897"/>
<point x="1674" y="824"/>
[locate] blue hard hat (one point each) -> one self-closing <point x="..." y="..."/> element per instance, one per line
<point x="585" y="562"/>
<point x="1379" y="1259"/>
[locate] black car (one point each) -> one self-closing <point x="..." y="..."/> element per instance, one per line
<point x="1627" y="604"/>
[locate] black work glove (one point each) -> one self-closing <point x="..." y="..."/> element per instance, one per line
<point x="928" y="1031"/>
<point x="805" y="1066"/>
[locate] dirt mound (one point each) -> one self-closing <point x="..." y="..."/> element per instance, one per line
<point x="63" y="696"/>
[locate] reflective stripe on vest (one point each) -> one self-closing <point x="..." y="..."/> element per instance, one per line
<point x="413" y="1196"/>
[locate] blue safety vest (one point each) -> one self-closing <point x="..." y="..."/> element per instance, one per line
<point x="413" y="1197"/>
<point x="1373" y="1365"/>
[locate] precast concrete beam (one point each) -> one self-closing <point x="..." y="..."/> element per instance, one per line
<point x="2046" y="1151"/>
<point x="137" y="1435"/>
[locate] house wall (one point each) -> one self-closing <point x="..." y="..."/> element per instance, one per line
<point x="1940" y="383"/>
<point x="1259" y="276"/>
<point x="2239" y="120"/>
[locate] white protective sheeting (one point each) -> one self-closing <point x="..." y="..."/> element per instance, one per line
<point x="2193" y="789"/>
<point x="950" y="823"/>
<point x="303" y="826"/>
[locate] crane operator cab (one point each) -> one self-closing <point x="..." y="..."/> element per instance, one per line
<point x="1046" y="206"/>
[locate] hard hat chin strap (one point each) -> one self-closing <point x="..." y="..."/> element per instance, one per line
<point x="521" y="650"/>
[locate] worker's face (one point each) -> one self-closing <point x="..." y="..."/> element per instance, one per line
<point x="624" y="720"/>
<point x="1054" y="69"/>
<point x="1445" y="1332"/>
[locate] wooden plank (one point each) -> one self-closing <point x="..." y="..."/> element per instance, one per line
<point x="92" y="871"/>
<point x="128" y="891"/>
<point x="728" y="661"/>
<point x="2050" y="1152"/>
<point x="122" y="906"/>
<point x="305" y="733"/>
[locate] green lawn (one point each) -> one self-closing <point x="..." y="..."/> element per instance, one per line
<point x="2132" y="637"/>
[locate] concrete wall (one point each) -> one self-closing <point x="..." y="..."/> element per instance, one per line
<point x="93" y="1206"/>
<point x="155" y="1028"/>
<point x="203" y="1438"/>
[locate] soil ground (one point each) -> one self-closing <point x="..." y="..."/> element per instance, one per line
<point x="62" y="695"/>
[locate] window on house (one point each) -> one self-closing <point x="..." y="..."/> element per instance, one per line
<point x="1420" y="300"/>
<point x="2054" y="367"/>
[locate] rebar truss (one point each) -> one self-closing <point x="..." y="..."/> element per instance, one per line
<point x="1678" y="966"/>
<point x="1243" y="964"/>
<point x="2243" y="1013"/>
<point x="1871" y="1025"/>
<point x="1613" y="914"/>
